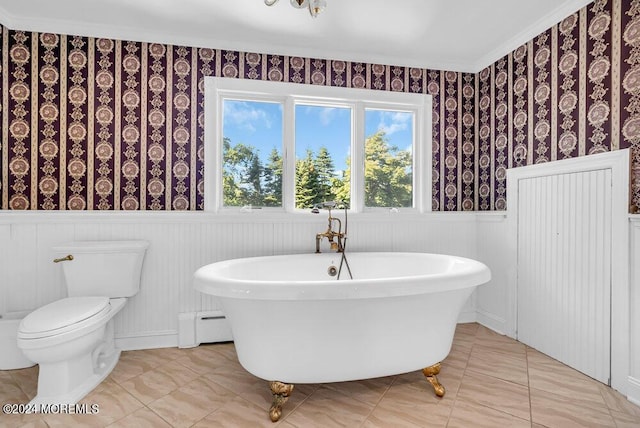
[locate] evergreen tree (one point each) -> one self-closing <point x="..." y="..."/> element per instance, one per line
<point x="325" y="173"/>
<point x="273" y="180"/>
<point x="388" y="176"/>
<point x="306" y="182"/>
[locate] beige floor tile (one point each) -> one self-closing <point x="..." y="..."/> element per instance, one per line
<point x="469" y="414"/>
<point x="485" y="376"/>
<point x="75" y="421"/>
<point x="505" y="366"/>
<point x="458" y="356"/>
<point x="191" y="402"/>
<point x="507" y="397"/>
<point x="369" y="391"/>
<point x="464" y="342"/>
<point x="20" y="420"/>
<point x="498" y="342"/>
<point x="327" y="408"/>
<point x="228" y="350"/>
<point x="242" y="383"/>
<point x="143" y="418"/>
<point x="159" y="382"/>
<point x="470" y="328"/>
<point x="618" y="402"/>
<point x="625" y="420"/>
<point x="10" y="390"/>
<point x="239" y="413"/>
<point x="113" y="402"/>
<point x="135" y="363"/>
<point x="36" y="423"/>
<point x="27" y="379"/>
<point x="552" y="410"/>
<point x="547" y="374"/>
<point x="204" y="359"/>
<point x="407" y="406"/>
<point x="450" y="379"/>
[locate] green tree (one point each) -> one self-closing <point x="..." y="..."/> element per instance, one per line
<point x="388" y="176"/>
<point x="342" y="185"/>
<point x="241" y="176"/>
<point x="306" y="181"/>
<point x="273" y="180"/>
<point x="325" y="174"/>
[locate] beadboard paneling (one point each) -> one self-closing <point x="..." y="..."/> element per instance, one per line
<point x="182" y="242"/>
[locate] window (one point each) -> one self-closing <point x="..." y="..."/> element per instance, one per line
<point x="388" y="160"/>
<point x="282" y="146"/>
<point x="251" y="153"/>
<point x="323" y="148"/>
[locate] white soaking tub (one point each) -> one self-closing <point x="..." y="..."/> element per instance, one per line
<point x="293" y="322"/>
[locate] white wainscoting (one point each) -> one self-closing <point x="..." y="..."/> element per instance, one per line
<point x="492" y="250"/>
<point x="564" y="268"/>
<point x="633" y="391"/>
<point x="617" y="219"/>
<point x="182" y="242"/>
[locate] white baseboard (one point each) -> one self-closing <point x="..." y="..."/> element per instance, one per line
<point x="491" y="321"/>
<point x="633" y="390"/>
<point x="148" y="340"/>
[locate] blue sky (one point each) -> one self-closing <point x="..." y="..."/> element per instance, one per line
<point x="259" y="124"/>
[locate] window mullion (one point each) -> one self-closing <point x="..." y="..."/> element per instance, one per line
<point x="289" y="155"/>
<point x="357" y="158"/>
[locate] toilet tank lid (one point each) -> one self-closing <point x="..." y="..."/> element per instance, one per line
<point x="102" y="246"/>
<point x="62" y="313"/>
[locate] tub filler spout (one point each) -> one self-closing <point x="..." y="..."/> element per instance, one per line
<point x="337" y="238"/>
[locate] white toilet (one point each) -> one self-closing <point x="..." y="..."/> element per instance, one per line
<point x="72" y="339"/>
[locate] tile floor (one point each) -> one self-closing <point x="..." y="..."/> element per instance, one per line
<point x="491" y="381"/>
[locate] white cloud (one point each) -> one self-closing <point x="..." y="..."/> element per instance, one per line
<point x="394" y="121"/>
<point x="326" y="115"/>
<point x="246" y="116"/>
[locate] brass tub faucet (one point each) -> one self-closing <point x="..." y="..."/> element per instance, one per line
<point x="336" y="238"/>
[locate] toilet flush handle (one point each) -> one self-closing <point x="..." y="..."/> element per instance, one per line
<point x="63" y="259"/>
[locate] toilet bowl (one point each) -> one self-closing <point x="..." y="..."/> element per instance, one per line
<point x="11" y="357"/>
<point x="72" y="339"/>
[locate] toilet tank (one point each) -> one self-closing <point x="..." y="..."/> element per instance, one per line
<point x="102" y="268"/>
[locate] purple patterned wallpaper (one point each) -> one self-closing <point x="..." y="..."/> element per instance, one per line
<point x="571" y="91"/>
<point x="99" y="124"/>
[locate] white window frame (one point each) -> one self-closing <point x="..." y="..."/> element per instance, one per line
<point x="217" y="89"/>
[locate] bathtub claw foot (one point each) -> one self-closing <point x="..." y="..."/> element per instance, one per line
<point x="281" y="392"/>
<point x="430" y="373"/>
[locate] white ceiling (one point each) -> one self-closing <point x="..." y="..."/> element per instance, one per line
<point x="457" y="35"/>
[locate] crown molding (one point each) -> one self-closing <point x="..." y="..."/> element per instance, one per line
<point x="137" y="34"/>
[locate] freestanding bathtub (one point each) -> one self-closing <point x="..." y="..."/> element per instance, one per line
<point x="293" y="322"/>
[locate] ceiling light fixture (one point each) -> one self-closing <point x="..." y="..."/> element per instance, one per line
<point x="314" y="6"/>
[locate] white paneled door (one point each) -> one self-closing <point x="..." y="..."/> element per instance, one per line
<point x="564" y="268"/>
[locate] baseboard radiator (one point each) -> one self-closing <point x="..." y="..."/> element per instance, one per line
<point x="195" y="328"/>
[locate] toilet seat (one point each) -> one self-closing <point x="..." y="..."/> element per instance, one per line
<point x="65" y="315"/>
